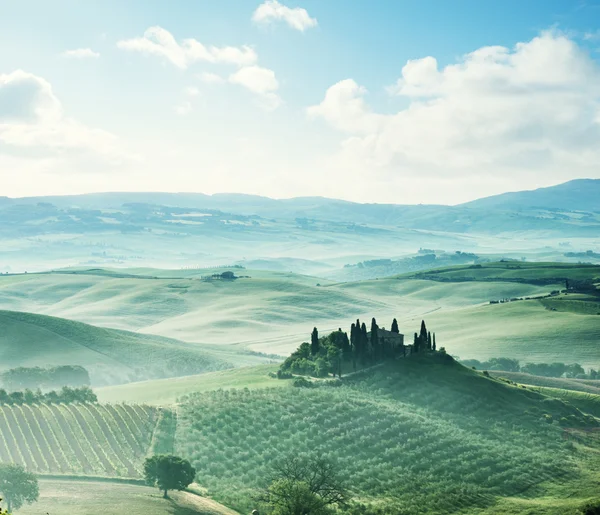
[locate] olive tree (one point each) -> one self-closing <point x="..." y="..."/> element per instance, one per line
<point x="17" y="486"/>
<point x="304" y="486"/>
<point x="168" y="472"/>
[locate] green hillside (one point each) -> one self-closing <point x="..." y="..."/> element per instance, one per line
<point x="268" y="311"/>
<point x="422" y="434"/>
<point x="562" y="383"/>
<point x="585" y="402"/>
<point x="111" y="356"/>
<point x="163" y="392"/>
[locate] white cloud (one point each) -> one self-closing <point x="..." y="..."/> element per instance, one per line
<point x="256" y="79"/>
<point x="27" y="98"/>
<point x="210" y="78"/>
<point x="160" y="42"/>
<point x="32" y="122"/>
<point x="505" y="114"/>
<point x="260" y="81"/>
<point x="271" y="10"/>
<point x="345" y="109"/>
<point x="81" y="53"/>
<point x="191" y="91"/>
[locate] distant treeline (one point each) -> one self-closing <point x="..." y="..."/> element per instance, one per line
<point x="64" y="396"/>
<point x="574" y="370"/>
<point x="586" y="254"/>
<point x="32" y="378"/>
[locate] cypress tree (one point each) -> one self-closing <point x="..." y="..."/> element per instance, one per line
<point x="375" y="350"/>
<point x="416" y="343"/>
<point x="346" y="344"/>
<point x="364" y="341"/>
<point x="423" y="334"/>
<point x="433" y="345"/>
<point x="354" y="344"/>
<point x="314" y="342"/>
<point x="395" y="326"/>
<point x="428" y="341"/>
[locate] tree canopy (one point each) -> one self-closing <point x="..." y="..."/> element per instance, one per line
<point x="304" y="486"/>
<point x="168" y="472"/>
<point x="17" y="486"/>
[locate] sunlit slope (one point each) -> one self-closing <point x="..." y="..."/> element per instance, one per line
<point x="523" y="330"/>
<point x="271" y="311"/>
<point x="417" y="435"/>
<point x="577" y="385"/>
<point x="61" y="497"/>
<point x="110" y="355"/>
<point x="164" y="392"/>
<point x="274" y="311"/>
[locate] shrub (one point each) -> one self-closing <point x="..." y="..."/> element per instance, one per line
<point x="302" y="382"/>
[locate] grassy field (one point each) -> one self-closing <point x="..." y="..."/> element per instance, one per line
<point x="78" y="439"/>
<point x="164" y="392"/>
<point x="585" y="402"/>
<point x="60" y="497"/>
<point x="524" y="330"/>
<point x="274" y="311"/>
<point x="417" y="435"/>
<point x="578" y="385"/>
<point x="510" y="271"/>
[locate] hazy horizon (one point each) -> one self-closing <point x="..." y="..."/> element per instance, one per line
<point x="239" y="193"/>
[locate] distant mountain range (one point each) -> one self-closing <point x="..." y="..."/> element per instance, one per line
<point x="577" y="195"/>
<point x="176" y="229"/>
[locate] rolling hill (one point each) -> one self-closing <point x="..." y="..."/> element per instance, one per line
<point x="111" y="356"/>
<point x="422" y="434"/>
<point x="273" y="312"/>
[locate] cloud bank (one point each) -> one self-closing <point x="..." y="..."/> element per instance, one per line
<point x="499" y="114"/>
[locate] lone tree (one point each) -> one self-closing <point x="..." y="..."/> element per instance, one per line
<point x="17" y="486"/>
<point x="168" y="472"/>
<point x="304" y="486"/>
<point x="395" y="326"/>
<point x="314" y="342"/>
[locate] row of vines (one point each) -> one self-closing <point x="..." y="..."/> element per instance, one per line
<point x="79" y="439"/>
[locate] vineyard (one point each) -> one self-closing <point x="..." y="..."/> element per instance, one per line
<point x="80" y="439"/>
<point x="420" y="436"/>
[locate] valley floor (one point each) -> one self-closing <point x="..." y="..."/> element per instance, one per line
<point x="63" y="497"/>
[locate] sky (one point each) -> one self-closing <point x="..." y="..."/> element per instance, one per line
<point x="383" y="101"/>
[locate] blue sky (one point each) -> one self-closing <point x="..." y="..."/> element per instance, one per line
<point x="299" y="98"/>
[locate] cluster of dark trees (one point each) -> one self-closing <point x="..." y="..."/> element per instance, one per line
<point x="574" y="370"/>
<point x="44" y="378"/>
<point x="363" y="348"/>
<point x="424" y="341"/>
<point x="581" y="286"/>
<point x="66" y="395"/>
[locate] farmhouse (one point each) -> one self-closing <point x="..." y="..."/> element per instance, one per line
<point x="389" y="339"/>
